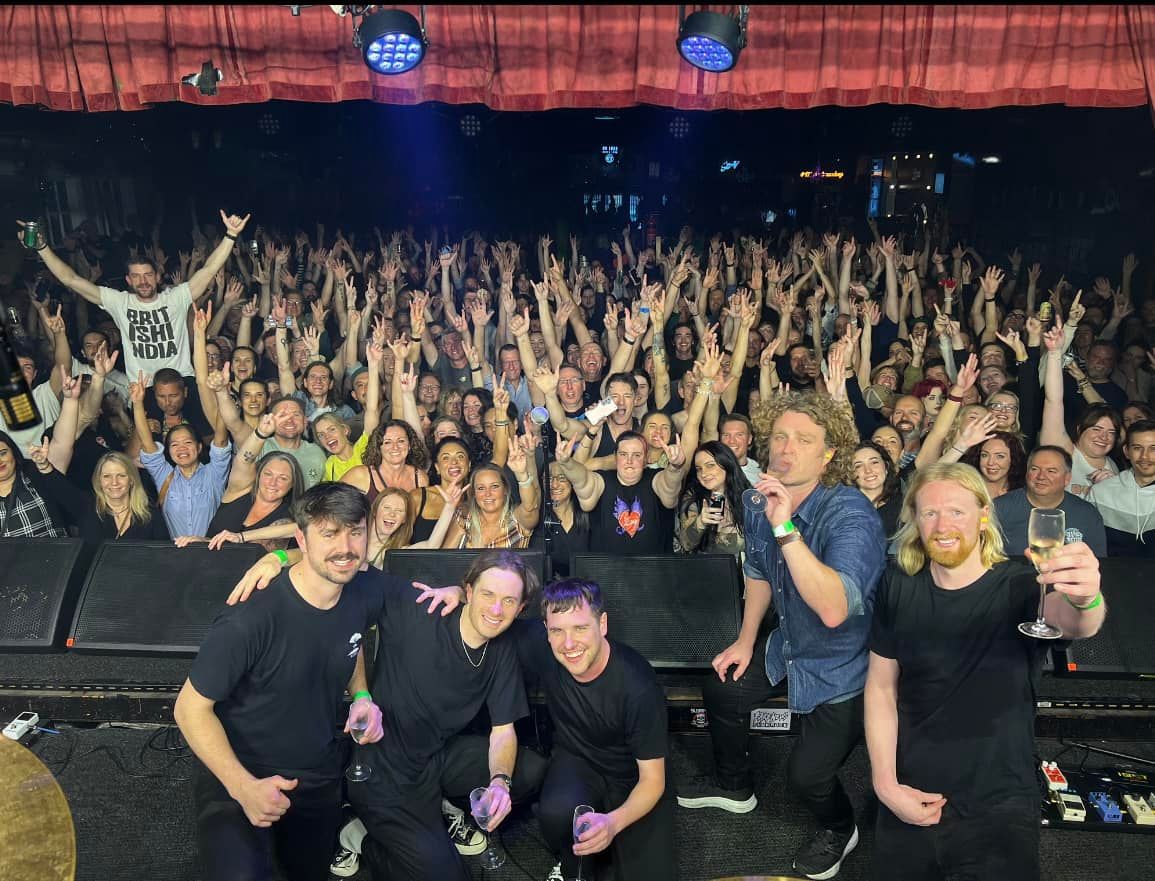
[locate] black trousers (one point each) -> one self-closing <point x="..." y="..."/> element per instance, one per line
<point x="1002" y="843"/>
<point x="827" y="735"/>
<point x="643" y="851"/>
<point x="233" y="849"/>
<point x="407" y="838"/>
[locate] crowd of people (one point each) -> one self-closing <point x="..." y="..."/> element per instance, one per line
<point x="901" y="405"/>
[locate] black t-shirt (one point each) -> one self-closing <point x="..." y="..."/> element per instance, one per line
<point x="612" y="722"/>
<point x="592" y="393"/>
<point x="631" y="520"/>
<point x="278" y="668"/>
<point x="966" y="688"/>
<point x="428" y="688"/>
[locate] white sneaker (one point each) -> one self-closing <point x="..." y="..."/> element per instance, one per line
<point x="467" y="838"/>
<point x="555" y="874"/>
<point x="345" y="864"/>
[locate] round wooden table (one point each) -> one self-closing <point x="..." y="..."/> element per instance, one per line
<point x="37" y="839"/>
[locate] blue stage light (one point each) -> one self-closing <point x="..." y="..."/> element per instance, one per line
<point x="712" y="41"/>
<point x="392" y="41"/>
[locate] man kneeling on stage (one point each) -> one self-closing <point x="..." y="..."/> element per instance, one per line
<point x="609" y="754"/>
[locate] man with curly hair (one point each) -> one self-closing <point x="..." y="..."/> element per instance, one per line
<point x="816" y="546"/>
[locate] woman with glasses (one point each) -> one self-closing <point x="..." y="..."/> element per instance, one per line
<point x="1004" y="406"/>
<point x="1097" y="435"/>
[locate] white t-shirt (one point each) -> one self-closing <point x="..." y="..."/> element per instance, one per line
<point x="1081" y="471"/>
<point x="49" y="406"/>
<point x="154" y="334"/>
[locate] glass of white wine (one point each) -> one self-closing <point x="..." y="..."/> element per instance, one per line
<point x="1046" y="533"/>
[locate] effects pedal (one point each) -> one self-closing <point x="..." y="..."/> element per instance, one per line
<point x="1056" y="782"/>
<point x="1070" y="806"/>
<point x="1140" y="811"/>
<point x="21" y="725"/>
<point x="1106" y="807"/>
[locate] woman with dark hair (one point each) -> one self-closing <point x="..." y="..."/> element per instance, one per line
<point x="1001" y="460"/>
<point x="474" y="404"/>
<point x="452" y="464"/>
<point x="1137" y="411"/>
<point x="704" y="526"/>
<point x="569" y="526"/>
<point x="188" y="492"/>
<point x="394" y="456"/>
<point x="1098" y="434"/>
<point x="257" y="504"/>
<point x="876" y="475"/>
<point x="27" y="508"/>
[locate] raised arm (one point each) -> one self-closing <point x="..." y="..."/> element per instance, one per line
<point x="139" y="419"/>
<point x="202" y="279"/>
<point x="63" y="273"/>
<point x="1054" y="430"/>
<point x="523" y="463"/>
<point x="931" y="449"/>
<point x="587" y="485"/>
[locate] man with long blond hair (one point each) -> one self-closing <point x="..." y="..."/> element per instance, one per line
<point x="950" y="699"/>
<point x="817" y="548"/>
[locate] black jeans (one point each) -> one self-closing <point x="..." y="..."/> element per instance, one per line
<point x="642" y="851"/>
<point x="407" y="836"/>
<point x="826" y="736"/>
<point x="1002" y="842"/>
<point x="233" y="849"/>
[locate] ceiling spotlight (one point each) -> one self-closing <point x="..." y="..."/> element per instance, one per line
<point x="470" y="126"/>
<point x="992" y="160"/>
<point x="392" y="41"/>
<point x="206" y="80"/>
<point x="901" y="126"/>
<point x="679" y="127"/>
<point x="268" y="124"/>
<point x="712" y="41"/>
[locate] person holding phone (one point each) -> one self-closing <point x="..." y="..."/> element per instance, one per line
<point x="711" y="497"/>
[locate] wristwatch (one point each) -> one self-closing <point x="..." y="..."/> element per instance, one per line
<point x="504" y="778"/>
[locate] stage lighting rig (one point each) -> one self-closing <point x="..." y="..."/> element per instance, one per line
<point x="391" y="41"/>
<point x="206" y="80"/>
<point x="712" y="41"/>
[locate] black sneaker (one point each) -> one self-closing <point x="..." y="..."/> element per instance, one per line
<point x="821" y="857"/>
<point x="704" y="792"/>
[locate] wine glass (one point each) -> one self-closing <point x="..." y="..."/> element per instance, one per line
<point x="580" y="825"/>
<point x="480" y="801"/>
<point x="1046" y="533"/>
<point x="358" y="772"/>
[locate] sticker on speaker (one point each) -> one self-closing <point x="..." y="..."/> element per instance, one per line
<point x="764" y="719"/>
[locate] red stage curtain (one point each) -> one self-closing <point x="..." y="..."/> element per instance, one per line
<point x="542" y="57"/>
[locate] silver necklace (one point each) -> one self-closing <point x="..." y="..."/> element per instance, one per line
<point x="465" y="648"/>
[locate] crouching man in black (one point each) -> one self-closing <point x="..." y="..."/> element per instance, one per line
<point x="609" y="753"/>
<point x="262" y="705"/>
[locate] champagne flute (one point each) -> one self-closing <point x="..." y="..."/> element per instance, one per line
<point x="358" y="772"/>
<point x="1046" y="534"/>
<point x="580" y="825"/>
<point x="480" y="803"/>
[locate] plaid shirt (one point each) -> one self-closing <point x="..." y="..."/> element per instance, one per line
<point x="24" y="513"/>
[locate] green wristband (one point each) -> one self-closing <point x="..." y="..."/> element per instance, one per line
<point x="283" y="557"/>
<point x="362" y="694"/>
<point x="1094" y="604"/>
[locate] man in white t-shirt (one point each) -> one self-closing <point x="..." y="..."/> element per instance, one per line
<point x="153" y="324"/>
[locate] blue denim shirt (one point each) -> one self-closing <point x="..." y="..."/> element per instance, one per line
<point x="821" y="664"/>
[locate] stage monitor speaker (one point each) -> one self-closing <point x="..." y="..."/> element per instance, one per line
<point x="441" y="568"/>
<point x="679" y="611"/>
<point x="39" y="581"/>
<point x="155" y="598"/>
<point x="1125" y="646"/>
